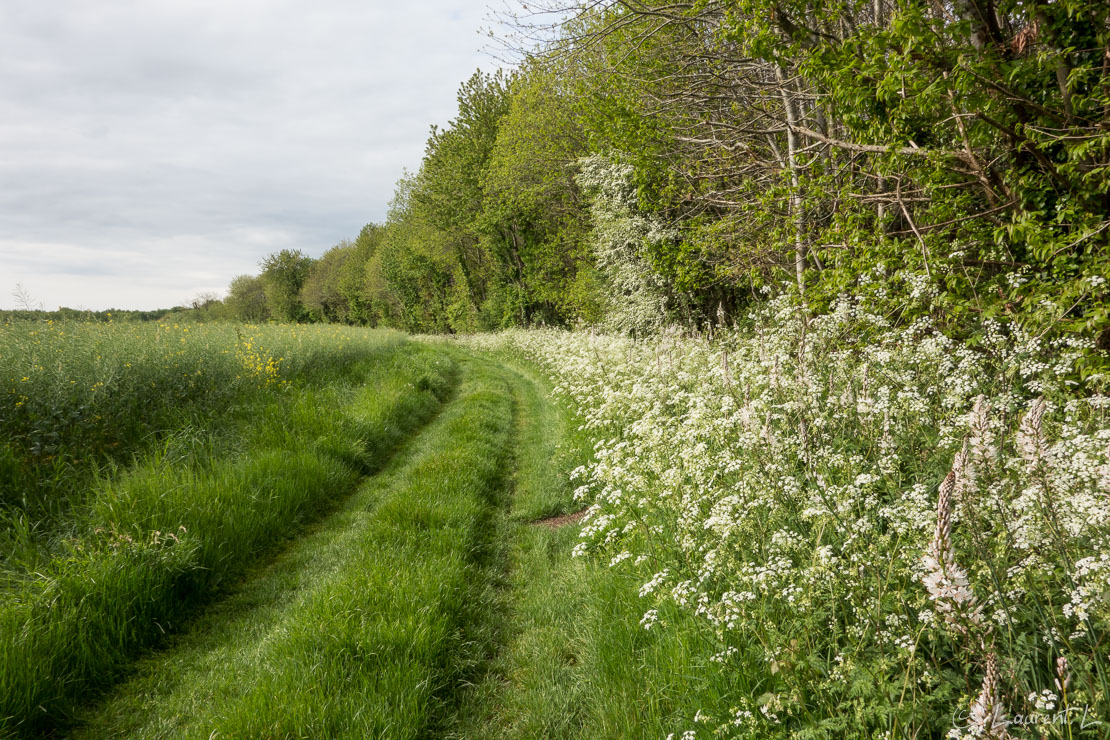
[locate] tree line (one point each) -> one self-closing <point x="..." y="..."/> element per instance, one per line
<point x="651" y="162"/>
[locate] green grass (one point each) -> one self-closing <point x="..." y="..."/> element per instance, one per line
<point x="77" y="399"/>
<point x="157" y="540"/>
<point x="331" y="558"/>
<point x="573" y="660"/>
<point x="546" y="451"/>
<point x="578" y="664"/>
<point x="368" y="626"/>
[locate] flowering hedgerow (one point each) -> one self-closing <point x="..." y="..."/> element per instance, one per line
<point x="898" y="533"/>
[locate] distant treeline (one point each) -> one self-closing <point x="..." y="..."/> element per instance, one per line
<point x="655" y="162"/>
<point x="80" y="314"/>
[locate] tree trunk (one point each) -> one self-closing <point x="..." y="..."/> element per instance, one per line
<point x="796" y="210"/>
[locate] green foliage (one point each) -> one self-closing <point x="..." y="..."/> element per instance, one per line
<point x="492" y="231"/>
<point x="283" y="277"/>
<point x="412" y="271"/>
<point x="531" y="193"/>
<point x="83" y="315"/>
<point x="448" y="193"/>
<point x="321" y="294"/>
<point x="352" y="280"/>
<point x="1013" y="214"/>
<point x="158" y="537"/>
<point x="246" y="299"/>
<point x="893" y="151"/>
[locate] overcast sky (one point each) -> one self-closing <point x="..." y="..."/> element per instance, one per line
<point x="151" y="150"/>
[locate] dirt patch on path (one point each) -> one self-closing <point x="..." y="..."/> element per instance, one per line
<point x="562" y="520"/>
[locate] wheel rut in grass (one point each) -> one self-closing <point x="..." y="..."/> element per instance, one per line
<point x="527" y="686"/>
<point x="367" y="625"/>
<point x="158" y="698"/>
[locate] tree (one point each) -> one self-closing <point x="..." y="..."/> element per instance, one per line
<point x="321" y="293"/>
<point x="951" y="143"/>
<point x="492" y="230"/>
<point x="533" y="202"/>
<point x="448" y="191"/>
<point x="410" y="278"/>
<point x="246" y="299"/>
<point x="283" y="276"/>
<point x="24" y="300"/>
<point x="637" y="295"/>
<point x="352" y="280"/>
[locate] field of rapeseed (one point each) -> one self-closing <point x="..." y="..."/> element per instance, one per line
<point x="76" y="395"/>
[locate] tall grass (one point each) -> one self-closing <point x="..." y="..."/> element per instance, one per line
<point x="75" y="396"/>
<point x="153" y="541"/>
<point x="387" y="639"/>
<point x="379" y="617"/>
<point x="574" y="660"/>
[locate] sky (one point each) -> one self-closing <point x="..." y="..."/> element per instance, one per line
<point x="152" y="150"/>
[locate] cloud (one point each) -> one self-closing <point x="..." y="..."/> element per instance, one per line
<point x="154" y="149"/>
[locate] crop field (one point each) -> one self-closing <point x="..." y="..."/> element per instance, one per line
<point x="797" y="528"/>
<point x="283" y="531"/>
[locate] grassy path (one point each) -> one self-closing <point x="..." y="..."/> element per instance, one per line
<point x="429" y="604"/>
<point x="366" y="626"/>
<point x="160" y="540"/>
<point x="529" y="687"/>
<point x="572" y="658"/>
<point x="362" y="560"/>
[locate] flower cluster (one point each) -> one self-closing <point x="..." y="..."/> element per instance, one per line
<point x="782" y="482"/>
<point x="257" y="363"/>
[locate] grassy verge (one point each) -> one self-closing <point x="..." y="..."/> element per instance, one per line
<point x="578" y="663"/>
<point x="574" y="660"/>
<point x="160" y="539"/>
<point x="367" y="627"/>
